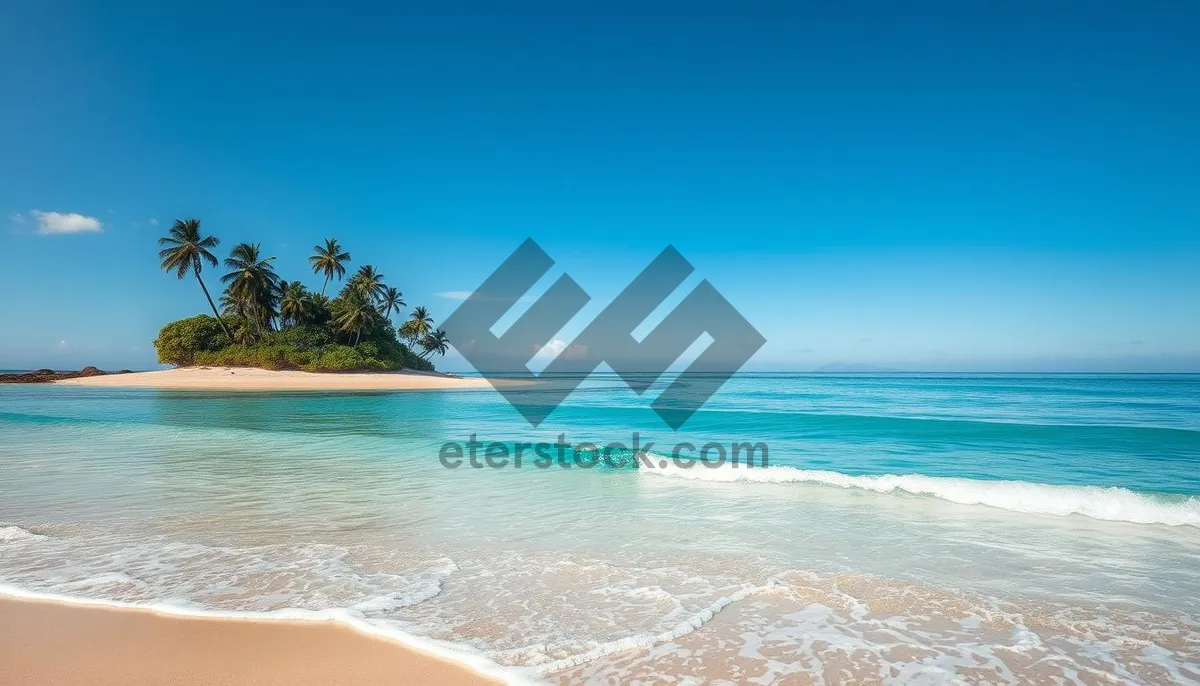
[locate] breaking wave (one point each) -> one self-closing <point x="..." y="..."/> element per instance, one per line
<point x="1109" y="503"/>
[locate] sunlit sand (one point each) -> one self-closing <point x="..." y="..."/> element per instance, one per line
<point x="250" y="379"/>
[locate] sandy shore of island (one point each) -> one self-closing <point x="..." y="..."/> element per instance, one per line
<point x="43" y="642"/>
<point x="250" y="379"/>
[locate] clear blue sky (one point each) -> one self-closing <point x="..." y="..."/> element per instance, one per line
<point x="958" y="185"/>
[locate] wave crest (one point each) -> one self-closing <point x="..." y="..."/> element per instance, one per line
<point x="1109" y="503"/>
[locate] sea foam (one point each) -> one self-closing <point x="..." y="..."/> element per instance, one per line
<point x="14" y="534"/>
<point x="643" y="641"/>
<point x="1098" y="502"/>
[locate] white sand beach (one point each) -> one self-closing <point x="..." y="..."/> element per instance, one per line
<point x="252" y="379"/>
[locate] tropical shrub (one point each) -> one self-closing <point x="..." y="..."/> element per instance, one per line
<point x="302" y="336"/>
<point x="343" y="358"/>
<point x="179" y="342"/>
<point x="200" y="341"/>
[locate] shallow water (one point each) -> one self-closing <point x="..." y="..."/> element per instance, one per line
<point x="909" y="528"/>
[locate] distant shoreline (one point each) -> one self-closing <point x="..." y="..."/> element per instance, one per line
<point x="254" y="379"/>
<point x="44" y="375"/>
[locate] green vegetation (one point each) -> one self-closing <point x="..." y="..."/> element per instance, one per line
<point x="271" y="323"/>
<point x="187" y="251"/>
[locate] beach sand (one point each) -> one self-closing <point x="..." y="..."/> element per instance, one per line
<point x="44" y="642"/>
<point x="251" y="379"/>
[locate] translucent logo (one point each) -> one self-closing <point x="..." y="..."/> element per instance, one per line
<point x="608" y="339"/>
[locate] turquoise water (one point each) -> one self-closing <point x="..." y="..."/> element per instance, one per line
<point x="908" y="528"/>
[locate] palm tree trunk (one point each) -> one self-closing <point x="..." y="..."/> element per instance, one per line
<point x="357" y="336"/>
<point x="324" y="284"/>
<point x="257" y="314"/>
<point x="214" y="308"/>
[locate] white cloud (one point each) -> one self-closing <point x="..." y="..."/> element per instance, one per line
<point x="65" y="223"/>
<point x="17" y="218"/>
<point x="553" y="348"/>
<point x="556" y="347"/>
<point x="153" y="221"/>
<point x="455" y="295"/>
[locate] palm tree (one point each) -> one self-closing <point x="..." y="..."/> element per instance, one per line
<point x="354" y="314"/>
<point x="295" y="306"/>
<point x="317" y="308"/>
<point x="233" y="306"/>
<point x="392" y="299"/>
<point x="419" y="324"/>
<point x="369" y="282"/>
<point x="329" y="260"/>
<point x="435" y="343"/>
<point x="252" y="279"/>
<point x="187" y="251"/>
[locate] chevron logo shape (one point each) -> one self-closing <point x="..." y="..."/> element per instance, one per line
<point x="607" y="339"/>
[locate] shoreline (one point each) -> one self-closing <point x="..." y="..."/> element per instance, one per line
<point x="76" y="642"/>
<point x="254" y="379"/>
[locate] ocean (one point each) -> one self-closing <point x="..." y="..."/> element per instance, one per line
<point x="907" y="528"/>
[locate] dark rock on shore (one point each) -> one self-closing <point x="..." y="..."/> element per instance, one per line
<point x="48" y="375"/>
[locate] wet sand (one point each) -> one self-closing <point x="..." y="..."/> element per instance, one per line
<point x="43" y="642"/>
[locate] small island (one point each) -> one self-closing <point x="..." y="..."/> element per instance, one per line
<point x="270" y="323"/>
<point x="270" y="333"/>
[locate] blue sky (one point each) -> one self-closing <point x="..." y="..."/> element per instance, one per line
<point x="929" y="185"/>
